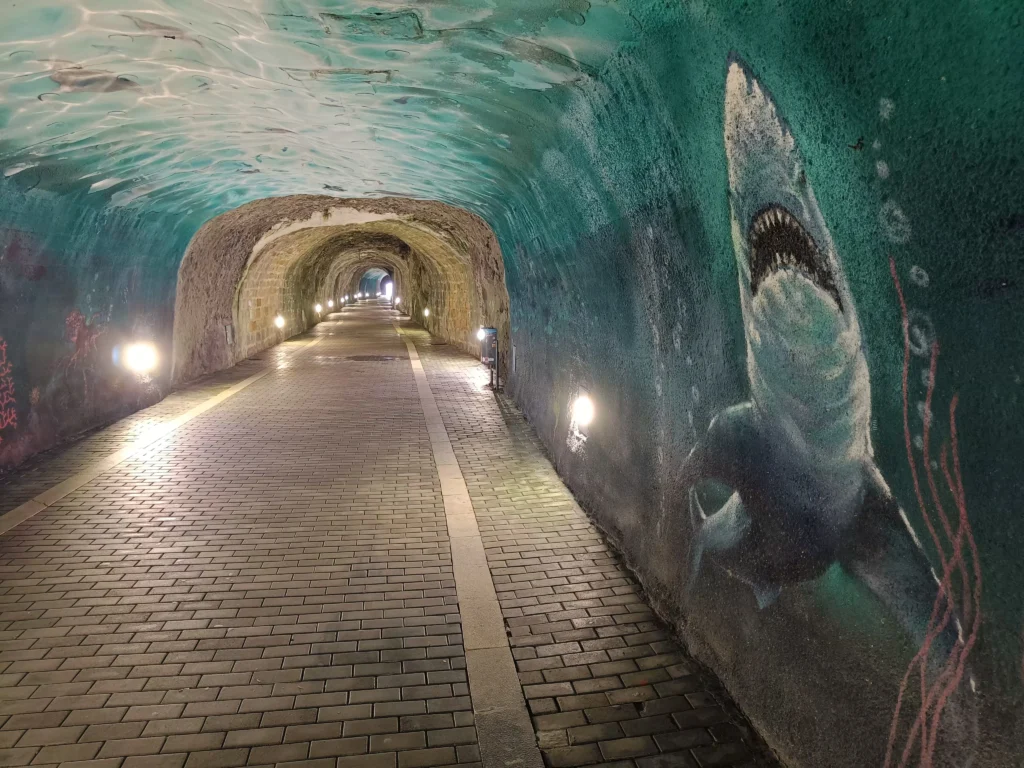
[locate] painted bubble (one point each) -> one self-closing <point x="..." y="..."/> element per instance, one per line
<point x="922" y="333"/>
<point x="885" y="108"/>
<point x="924" y="414"/>
<point x="895" y="224"/>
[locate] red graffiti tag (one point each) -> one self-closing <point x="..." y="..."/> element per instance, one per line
<point x="935" y="694"/>
<point x="8" y="414"/>
<point x="84" y="334"/>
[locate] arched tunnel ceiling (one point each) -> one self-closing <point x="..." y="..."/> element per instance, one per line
<point x="284" y="255"/>
<point x="212" y="103"/>
<point x="374" y="273"/>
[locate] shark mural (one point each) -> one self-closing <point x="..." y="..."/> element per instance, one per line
<point x="798" y="457"/>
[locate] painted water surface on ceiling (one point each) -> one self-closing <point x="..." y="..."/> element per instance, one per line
<point x="197" y="104"/>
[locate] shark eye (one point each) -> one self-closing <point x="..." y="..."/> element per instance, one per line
<point x="778" y="241"/>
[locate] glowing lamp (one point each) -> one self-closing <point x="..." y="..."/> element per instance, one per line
<point x="330" y="303"/>
<point x="398" y="299"/>
<point x="279" y="321"/>
<point x="583" y="410"/>
<point x="319" y="308"/>
<point x="426" y="313"/>
<point x="140" y="357"/>
<point x="481" y="334"/>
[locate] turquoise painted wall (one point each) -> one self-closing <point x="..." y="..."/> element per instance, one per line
<point x="623" y="277"/>
<point x="78" y="282"/>
<point x="593" y="138"/>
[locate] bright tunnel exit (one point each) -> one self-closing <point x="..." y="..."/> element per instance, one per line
<point x="371" y="283"/>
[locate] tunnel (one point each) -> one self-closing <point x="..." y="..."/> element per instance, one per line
<point x="737" y="484"/>
<point x="281" y="257"/>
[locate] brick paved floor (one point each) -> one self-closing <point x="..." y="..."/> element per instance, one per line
<point x="268" y="585"/>
<point x="271" y="584"/>
<point x="50" y="467"/>
<point x="606" y="683"/>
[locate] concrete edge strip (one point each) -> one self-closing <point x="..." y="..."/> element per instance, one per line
<point x="57" y="492"/>
<point x="504" y="729"/>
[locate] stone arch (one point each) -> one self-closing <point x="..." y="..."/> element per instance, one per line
<point x="281" y="256"/>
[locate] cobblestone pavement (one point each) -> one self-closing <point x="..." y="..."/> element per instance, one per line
<point x="271" y="584"/>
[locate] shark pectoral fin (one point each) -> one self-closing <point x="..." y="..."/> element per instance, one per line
<point x="721" y="456"/>
<point x="883" y="553"/>
<point x="697" y="518"/>
<point x="722" y="531"/>
<point x="722" y="452"/>
<point x="727" y="533"/>
<point x="697" y="514"/>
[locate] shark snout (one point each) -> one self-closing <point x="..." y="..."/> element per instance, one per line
<point x="777" y="225"/>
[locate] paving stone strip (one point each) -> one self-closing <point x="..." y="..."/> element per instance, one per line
<point x="502" y="721"/>
<point x="606" y="683"/>
<point x="49" y="468"/>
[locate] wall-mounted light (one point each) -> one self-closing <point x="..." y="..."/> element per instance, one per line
<point x="398" y="299"/>
<point x="140" y="357"/>
<point x="426" y="313"/>
<point x="481" y="334"/>
<point x="318" y="308"/>
<point x="583" y="410"/>
<point x="330" y="303"/>
<point x="279" y="321"/>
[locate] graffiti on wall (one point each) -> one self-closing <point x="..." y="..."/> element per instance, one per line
<point x="77" y="374"/>
<point x="8" y="410"/>
<point x="806" y="493"/>
<point x="78" y="367"/>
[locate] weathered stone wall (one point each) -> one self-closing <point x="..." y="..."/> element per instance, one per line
<point x="283" y="256"/>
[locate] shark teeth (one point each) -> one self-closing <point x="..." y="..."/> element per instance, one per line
<point x="777" y="240"/>
<point x="777" y="217"/>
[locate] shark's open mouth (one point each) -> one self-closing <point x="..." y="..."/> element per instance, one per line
<point x="778" y="241"/>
